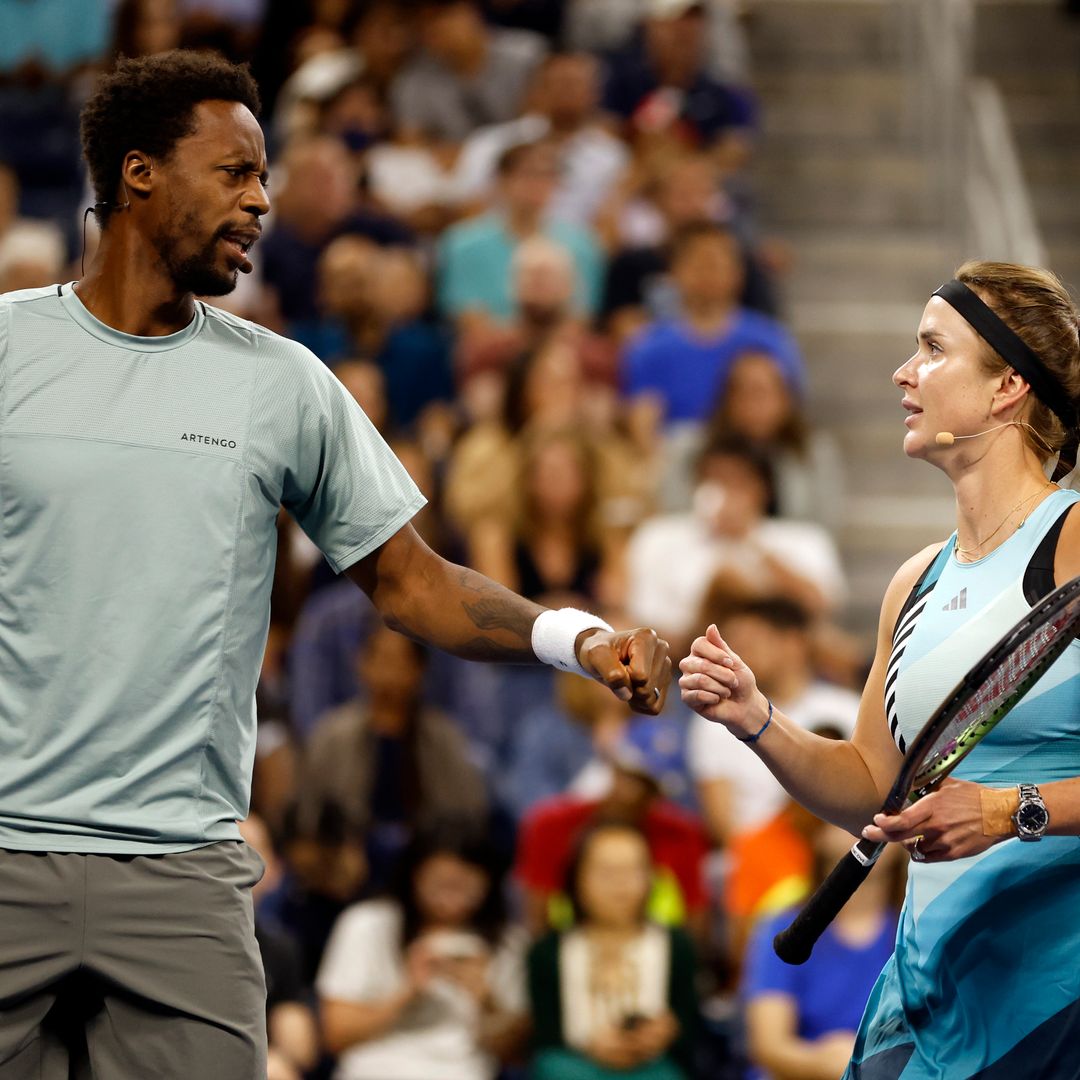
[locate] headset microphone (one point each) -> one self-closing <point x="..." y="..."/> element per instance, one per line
<point x="947" y="438"/>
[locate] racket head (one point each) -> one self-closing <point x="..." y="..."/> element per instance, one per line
<point x="992" y="687"/>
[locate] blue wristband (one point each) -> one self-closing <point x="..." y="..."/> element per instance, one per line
<point x="761" y="730"/>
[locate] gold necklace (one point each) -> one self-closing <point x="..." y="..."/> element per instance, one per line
<point x="969" y="553"/>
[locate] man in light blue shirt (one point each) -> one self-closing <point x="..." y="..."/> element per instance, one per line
<point x="476" y="256"/>
<point x="147" y="441"/>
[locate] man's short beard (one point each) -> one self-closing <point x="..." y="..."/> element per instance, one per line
<point x="194" y="273"/>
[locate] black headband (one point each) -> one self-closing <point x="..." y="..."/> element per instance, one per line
<point x="1010" y="347"/>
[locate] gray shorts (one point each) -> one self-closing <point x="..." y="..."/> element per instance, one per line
<point x="131" y="967"/>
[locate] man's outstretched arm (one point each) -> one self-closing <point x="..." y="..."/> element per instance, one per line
<point x="462" y="612"/>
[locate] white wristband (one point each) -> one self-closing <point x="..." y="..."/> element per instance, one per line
<point x="554" y="634"/>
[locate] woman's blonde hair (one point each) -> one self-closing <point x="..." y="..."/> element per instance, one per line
<point x="1034" y="304"/>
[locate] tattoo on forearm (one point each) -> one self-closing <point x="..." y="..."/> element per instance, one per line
<point x="492" y="607"/>
<point x="480" y="648"/>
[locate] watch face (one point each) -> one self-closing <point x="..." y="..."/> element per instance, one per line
<point x="1032" y="818"/>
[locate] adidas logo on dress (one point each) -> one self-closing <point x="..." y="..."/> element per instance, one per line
<point x="958" y="602"/>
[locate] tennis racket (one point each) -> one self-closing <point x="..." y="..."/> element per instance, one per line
<point x="983" y="696"/>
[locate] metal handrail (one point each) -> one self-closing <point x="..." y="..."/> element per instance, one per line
<point x="976" y="190"/>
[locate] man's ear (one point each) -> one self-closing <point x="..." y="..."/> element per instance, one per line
<point x="137" y="174"/>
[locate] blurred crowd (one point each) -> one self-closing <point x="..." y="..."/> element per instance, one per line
<point x="523" y="234"/>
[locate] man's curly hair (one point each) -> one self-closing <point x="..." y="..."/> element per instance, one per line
<point x="149" y="104"/>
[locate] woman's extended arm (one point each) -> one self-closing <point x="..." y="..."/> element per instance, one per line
<point x="843" y="782"/>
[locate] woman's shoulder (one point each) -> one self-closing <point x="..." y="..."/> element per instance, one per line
<point x="907" y="576"/>
<point x="1067" y="556"/>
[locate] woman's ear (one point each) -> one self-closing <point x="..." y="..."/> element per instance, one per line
<point x="1010" y="395"/>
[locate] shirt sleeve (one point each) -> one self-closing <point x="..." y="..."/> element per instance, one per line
<point x="454" y="284"/>
<point x="764" y="972"/>
<point x="683" y="998"/>
<point x="281" y="960"/>
<point x="507" y="977"/>
<point x="637" y="365"/>
<point x="809" y="551"/>
<point x="779" y="343"/>
<point x="343" y="484"/>
<point x="409" y="94"/>
<point x="545" y="996"/>
<point x="357" y="964"/>
<point x="710" y="749"/>
<point x="590" y="264"/>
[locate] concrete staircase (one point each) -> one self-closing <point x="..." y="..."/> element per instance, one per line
<point x="1032" y="49"/>
<point x="841" y="177"/>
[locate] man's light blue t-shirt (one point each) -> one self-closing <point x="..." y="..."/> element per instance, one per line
<point x="140" y="481"/>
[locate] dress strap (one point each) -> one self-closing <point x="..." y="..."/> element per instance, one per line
<point x="1039" y="575"/>
<point x="927" y="580"/>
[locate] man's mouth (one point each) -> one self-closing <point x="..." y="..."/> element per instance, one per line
<point x="239" y="243"/>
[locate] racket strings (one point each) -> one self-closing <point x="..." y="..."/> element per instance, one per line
<point x="986" y="704"/>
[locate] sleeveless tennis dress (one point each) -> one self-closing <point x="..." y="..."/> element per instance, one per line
<point x="985" y="979"/>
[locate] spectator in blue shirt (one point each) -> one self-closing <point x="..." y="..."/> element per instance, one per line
<point x="801" y="1020"/>
<point x="475" y="256"/>
<point x="684" y="362"/>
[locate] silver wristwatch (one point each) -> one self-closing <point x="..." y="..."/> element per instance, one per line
<point x="1031" y="817"/>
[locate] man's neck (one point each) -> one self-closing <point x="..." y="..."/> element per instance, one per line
<point x="522" y="224"/>
<point x="471" y="60"/>
<point x="565" y="127"/>
<point x="127" y="289"/>
<point x="367" y="331"/>
<point x="388" y="719"/>
<point x="707" y="317"/>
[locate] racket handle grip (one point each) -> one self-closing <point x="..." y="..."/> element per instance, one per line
<point x="795" y="944"/>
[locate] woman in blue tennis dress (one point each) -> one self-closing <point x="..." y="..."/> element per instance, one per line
<point x="985" y="979"/>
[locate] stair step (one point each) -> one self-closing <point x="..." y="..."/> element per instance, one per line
<point x="796" y="34"/>
<point x="829" y="110"/>
<point x="1016" y="36"/>
<point x="1064" y="260"/>
<point x="882" y="188"/>
<point x="858" y="269"/>
<point x="1057" y="205"/>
